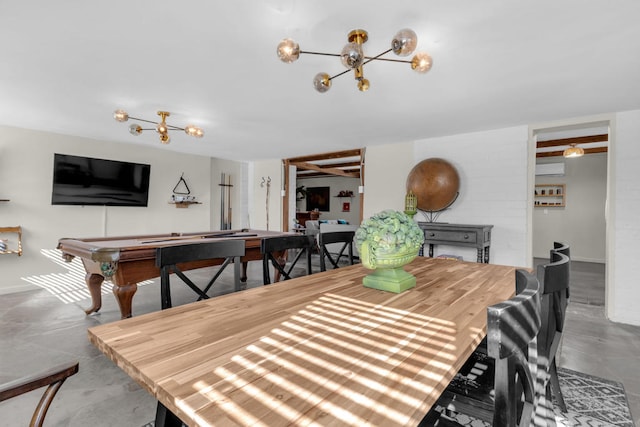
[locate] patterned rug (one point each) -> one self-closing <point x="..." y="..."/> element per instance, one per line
<point x="591" y="401"/>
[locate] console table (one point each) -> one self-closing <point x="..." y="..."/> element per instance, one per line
<point x="476" y="236"/>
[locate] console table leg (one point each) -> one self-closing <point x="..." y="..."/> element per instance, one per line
<point x="430" y="250"/>
<point x="486" y="255"/>
<point x="479" y="260"/>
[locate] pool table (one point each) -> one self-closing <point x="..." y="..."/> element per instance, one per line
<point x="127" y="260"/>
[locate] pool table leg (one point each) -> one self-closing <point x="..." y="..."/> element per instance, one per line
<point x="243" y="276"/>
<point x="124" y="296"/>
<point x="94" y="283"/>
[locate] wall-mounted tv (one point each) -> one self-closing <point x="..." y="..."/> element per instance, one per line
<point x="88" y="181"/>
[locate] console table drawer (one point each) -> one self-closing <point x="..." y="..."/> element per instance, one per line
<point x="469" y="235"/>
<point x="451" y="236"/>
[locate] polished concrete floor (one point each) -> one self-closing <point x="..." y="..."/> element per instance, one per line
<point x="38" y="330"/>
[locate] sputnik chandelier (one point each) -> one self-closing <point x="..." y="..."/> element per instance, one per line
<point x="161" y="127"/>
<point x="353" y="57"/>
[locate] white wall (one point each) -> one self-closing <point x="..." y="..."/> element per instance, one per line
<point x="493" y="188"/>
<point x="581" y="223"/>
<point x="238" y="172"/>
<point x="26" y="171"/>
<point x="386" y="171"/>
<point x="335" y="184"/>
<point x="258" y="177"/>
<point x="623" y="266"/>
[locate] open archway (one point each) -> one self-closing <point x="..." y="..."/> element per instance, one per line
<point x="347" y="163"/>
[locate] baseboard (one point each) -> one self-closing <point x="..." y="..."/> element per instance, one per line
<point x="595" y="261"/>
<point x="577" y="258"/>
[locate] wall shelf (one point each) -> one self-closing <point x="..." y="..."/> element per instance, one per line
<point x="185" y="204"/>
<point x="345" y="193"/>
<point x="549" y="195"/>
<point x="6" y="247"/>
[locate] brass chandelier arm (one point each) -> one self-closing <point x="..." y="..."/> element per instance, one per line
<point x="339" y="74"/>
<point x="170" y="127"/>
<point x="319" y="53"/>
<point x="377" y="57"/>
<point x="368" y="59"/>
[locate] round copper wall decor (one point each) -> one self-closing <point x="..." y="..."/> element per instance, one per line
<point x="435" y="182"/>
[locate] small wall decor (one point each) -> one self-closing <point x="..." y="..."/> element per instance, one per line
<point x="181" y="196"/>
<point x="318" y="199"/>
<point x="266" y="183"/>
<point x="345" y="193"/>
<point x="301" y="193"/>
<point x="346" y="206"/>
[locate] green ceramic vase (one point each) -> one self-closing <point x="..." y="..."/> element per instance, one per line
<point x="388" y="272"/>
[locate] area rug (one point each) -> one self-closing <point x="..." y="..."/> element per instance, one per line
<point x="591" y="401"/>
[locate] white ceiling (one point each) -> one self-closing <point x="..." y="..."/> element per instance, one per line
<point x="66" y="65"/>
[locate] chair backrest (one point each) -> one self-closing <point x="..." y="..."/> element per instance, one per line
<point x="563" y="248"/>
<point x="554" y="278"/>
<point x="512" y="330"/>
<point x="274" y="251"/>
<point x="51" y="378"/>
<point x="341" y="241"/>
<point x="168" y="258"/>
<point x="172" y="255"/>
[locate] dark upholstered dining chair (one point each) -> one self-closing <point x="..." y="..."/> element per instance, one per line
<point x="272" y="246"/>
<point x="51" y="378"/>
<point x="505" y="393"/>
<point x="564" y="249"/>
<point x="169" y="259"/>
<point x="335" y="238"/>
<point x="554" y="278"/>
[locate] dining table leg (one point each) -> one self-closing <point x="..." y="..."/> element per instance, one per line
<point x="166" y="418"/>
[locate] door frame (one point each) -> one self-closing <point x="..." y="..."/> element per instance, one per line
<point x="609" y="121"/>
<point x="330" y="164"/>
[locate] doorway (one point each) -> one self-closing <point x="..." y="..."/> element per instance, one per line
<point x="347" y="199"/>
<point x="570" y="203"/>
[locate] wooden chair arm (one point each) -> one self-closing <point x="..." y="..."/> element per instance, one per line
<point x="52" y="377"/>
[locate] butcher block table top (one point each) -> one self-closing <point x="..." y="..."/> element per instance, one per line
<point x="316" y="350"/>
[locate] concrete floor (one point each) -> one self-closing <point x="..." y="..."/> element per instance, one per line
<point x="38" y="330"/>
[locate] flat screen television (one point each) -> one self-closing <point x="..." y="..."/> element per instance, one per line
<point x="88" y="181"/>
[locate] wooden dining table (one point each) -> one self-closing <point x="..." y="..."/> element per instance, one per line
<point x="316" y="350"/>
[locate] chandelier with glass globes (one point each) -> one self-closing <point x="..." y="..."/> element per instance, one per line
<point x="352" y="56"/>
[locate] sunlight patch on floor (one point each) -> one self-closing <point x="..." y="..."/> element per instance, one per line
<point x="68" y="287"/>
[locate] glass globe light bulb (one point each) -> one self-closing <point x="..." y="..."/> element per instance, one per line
<point x="352" y="55"/>
<point x="162" y="128"/>
<point x="192" y="130"/>
<point x="164" y="138"/>
<point x="322" y="82"/>
<point x="363" y="85"/>
<point x="121" y="115"/>
<point x="288" y="51"/>
<point x="404" y="42"/>
<point x="135" y="129"/>
<point x="421" y="62"/>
